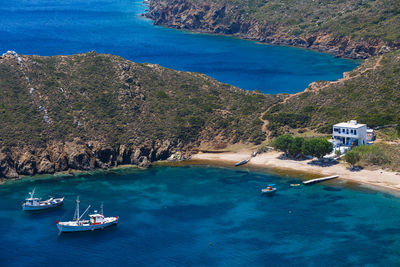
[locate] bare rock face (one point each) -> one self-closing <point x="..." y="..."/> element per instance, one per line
<point x="161" y="150"/>
<point x="124" y="155"/>
<point x="226" y="19"/>
<point x="143" y="162"/>
<point x="26" y="163"/>
<point x="45" y="165"/>
<point x="7" y="166"/>
<point x="77" y="155"/>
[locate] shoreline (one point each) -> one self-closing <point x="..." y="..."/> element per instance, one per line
<point x="341" y="47"/>
<point x="377" y="180"/>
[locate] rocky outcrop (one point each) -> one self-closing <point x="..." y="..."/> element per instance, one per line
<point x="220" y="18"/>
<point x="78" y="155"/>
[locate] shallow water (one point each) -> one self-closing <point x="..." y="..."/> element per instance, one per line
<point x="47" y="27"/>
<point x="202" y="216"/>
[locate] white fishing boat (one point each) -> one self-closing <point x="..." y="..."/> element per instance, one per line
<point x="34" y="203"/>
<point x="96" y="221"/>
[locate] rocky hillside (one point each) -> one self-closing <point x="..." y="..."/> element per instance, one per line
<point x="370" y="94"/>
<point x="91" y="111"/>
<point x="347" y="28"/>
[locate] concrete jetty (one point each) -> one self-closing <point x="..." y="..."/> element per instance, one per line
<point x="318" y="180"/>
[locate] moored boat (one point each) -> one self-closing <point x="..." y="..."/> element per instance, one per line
<point x="269" y="190"/>
<point x="241" y="162"/>
<point x="96" y="221"/>
<point x="35" y="203"/>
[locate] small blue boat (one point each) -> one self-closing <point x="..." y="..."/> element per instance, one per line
<point x="269" y="190"/>
<point x="241" y="162"/>
<point x="34" y="203"/>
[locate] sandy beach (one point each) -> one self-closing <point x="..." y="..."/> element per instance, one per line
<point x="378" y="179"/>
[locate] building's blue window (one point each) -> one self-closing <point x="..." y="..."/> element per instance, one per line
<point x="355" y="131"/>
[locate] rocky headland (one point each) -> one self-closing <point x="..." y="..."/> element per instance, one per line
<point x="89" y="111"/>
<point x="230" y="18"/>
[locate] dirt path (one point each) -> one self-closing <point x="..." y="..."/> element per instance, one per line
<point x="346" y="77"/>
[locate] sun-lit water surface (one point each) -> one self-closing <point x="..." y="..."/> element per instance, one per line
<point x="201" y="216"/>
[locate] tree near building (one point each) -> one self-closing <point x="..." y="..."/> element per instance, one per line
<point x="283" y="143"/>
<point x="316" y="147"/>
<point x="295" y="148"/>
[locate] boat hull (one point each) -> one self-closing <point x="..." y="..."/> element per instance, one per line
<point x="86" y="227"/>
<point x="241" y="163"/>
<point x="268" y="192"/>
<point x="56" y="203"/>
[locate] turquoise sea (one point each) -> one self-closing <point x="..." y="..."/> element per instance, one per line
<point x="48" y="27"/>
<point x="193" y="215"/>
<point x="202" y="216"/>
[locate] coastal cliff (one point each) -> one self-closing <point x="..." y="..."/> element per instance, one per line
<point x="89" y="111"/>
<point x="317" y="25"/>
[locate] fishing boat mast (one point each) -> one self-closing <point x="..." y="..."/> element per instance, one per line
<point x="76" y="215"/>
<point x="32" y="193"/>
<point x="101" y="209"/>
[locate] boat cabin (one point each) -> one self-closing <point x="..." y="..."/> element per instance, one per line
<point x="96" y="218"/>
<point x="32" y="201"/>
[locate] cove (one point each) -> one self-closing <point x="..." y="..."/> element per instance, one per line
<point x="201" y="216"/>
<point x="45" y="28"/>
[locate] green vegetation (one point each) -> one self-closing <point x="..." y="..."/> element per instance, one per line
<point x="377" y="154"/>
<point x="296" y="146"/>
<point x="359" y="19"/>
<point x="283" y="143"/>
<point x="107" y="98"/>
<point x="371" y="95"/>
<point x="380" y="154"/>
<point x="316" y="147"/>
<point x="352" y="157"/>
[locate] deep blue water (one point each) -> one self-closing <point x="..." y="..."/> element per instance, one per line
<point x="48" y="27"/>
<point x="202" y="216"/>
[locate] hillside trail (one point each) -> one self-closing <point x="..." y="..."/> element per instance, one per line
<point x="346" y="77"/>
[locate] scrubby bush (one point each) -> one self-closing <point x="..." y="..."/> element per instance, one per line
<point x="373" y="155"/>
<point x="352" y="157"/>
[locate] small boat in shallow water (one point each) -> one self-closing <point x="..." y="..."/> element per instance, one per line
<point x="269" y="190"/>
<point x="34" y="203"/>
<point x="96" y="221"/>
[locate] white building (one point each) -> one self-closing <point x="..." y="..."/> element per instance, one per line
<point x="350" y="133"/>
<point x="370" y="135"/>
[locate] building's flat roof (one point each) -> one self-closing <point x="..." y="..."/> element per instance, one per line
<point x="349" y="125"/>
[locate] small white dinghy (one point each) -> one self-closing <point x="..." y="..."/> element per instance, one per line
<point x="34" y="203"/>
<point x="270" y="190"/>
<point x="96" y="221"/>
